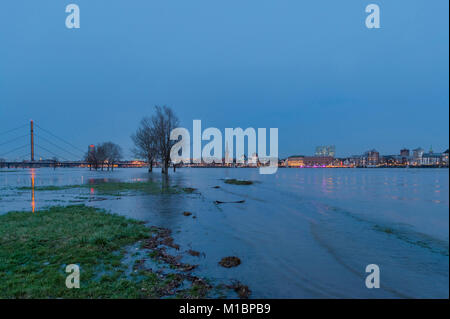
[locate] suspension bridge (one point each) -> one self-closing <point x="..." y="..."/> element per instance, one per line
<point x="30" y="145"/>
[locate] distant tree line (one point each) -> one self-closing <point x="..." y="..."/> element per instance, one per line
<point x="104" y="155"/>
<point x="152" y="138"/>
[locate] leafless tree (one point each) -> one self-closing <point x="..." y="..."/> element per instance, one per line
<point x="91" y="158"/>
<point x="101" y="155"/>
<point x="164" y="121"/>
<point x="112" y="153"/>
<point x="145" y="142"/>
<point x="106" y="153"/>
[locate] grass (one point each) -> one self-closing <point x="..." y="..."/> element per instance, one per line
<point x="36" y="247"/>
<point x="117" y="188"/>
<point x="49" y="188"/>
<point x="238" y="182"/>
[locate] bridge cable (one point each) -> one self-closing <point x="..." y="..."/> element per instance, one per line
<point x="27" y="145"/>
<point x="51" y="152"/>
<point x="14" y="129"/>
<point x="60" y="139"/>
<point x="63" y="149"/>
<point x="14" y="139"/>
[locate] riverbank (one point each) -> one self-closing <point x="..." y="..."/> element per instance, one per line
<point x="118" y="257"/>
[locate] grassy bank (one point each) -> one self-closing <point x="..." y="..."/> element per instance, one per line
<point x="233" y="181"/>
<point x="117" y="188"/>
<point x="36" y="247"/>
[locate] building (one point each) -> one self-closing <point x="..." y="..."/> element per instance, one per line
<point x="417" y="156"/>
<point x="318" y="161"/>
<point x="325" y="151"/>
<point x="228" y="159"/>
<point x="392" y="160"/>
<point x="445" y="157"/>
<point x="253" y="160"/>
<point x="91" y="151"/>
<point x="295" y="161"/>
<point x="372" y="157"/>
<point x="404" y="152"/>
<point x="431" y="158"/>
<point x="354" y="160"/>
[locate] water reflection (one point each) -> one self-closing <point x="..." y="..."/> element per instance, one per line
<point x="33" y="202"/>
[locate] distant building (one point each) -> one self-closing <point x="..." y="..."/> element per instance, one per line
<point x="325" y="151"/>
<point x="445" y="157"/>
<point x="417" y="156"/>
<point x="431" y="158"/>
<point x="243" y="160"/>
<point x="253" y="161"/>
<point x="404" y="152"/>
<point x="404" y="157"/>
<point x="91" y="151"/>
<point x="295" y="161"/>
<point x="354" y="160"/>
<point x="372" y="157"/>
<point x="312" y="161"/>
<point x="228" y="159"/>
<point x="392" y="160"/>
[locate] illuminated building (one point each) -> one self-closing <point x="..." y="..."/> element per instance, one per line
<point x="325" y="151"/>
<point x="404" y="152"/>
<point x="417" y="156"/>
<point x="445" y="157"/>
<point x="253" y="161"/>
<point x="432" y="158"/>
<point x="372" y="157"/>
<point x="295" y="161"/>
<point x="312" y="161"/>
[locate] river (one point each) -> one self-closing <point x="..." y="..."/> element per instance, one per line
<point x="301" y="233"/>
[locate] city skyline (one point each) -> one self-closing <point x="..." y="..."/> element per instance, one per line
<point x="5" y="141"/>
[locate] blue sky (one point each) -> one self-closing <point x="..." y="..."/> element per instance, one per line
<point x="310" y="68"/>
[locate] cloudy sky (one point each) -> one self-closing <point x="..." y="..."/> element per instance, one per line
<point x="310" y="68"/>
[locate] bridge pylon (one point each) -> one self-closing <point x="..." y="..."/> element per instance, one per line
<point x="32" y="140"/>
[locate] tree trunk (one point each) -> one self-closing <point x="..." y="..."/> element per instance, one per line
<point x="166" y="167"/>
<point x="150" y="166"/>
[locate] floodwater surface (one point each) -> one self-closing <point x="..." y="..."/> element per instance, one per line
<point x="300" y="233"/>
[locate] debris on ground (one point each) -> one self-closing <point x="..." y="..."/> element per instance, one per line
<point x="229" y="262"/>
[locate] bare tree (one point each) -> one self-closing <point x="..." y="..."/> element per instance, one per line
<point x="115" y="155"/>
<point x="91" y="158"/>
<point x="106" y="153"/>
<point x="112" y="153"/>
<point x="101" y="155"/>
<point x="164" y="121"/>
<point x="145" y="142"/>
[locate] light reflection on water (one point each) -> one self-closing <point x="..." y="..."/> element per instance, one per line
<point x="33" y="202"/>
<point x="300" y="233"/>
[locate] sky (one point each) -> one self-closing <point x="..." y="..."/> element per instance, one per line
<point x="309" y="68"/>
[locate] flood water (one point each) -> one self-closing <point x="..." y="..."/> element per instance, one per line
<point x="301" y="233"/>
